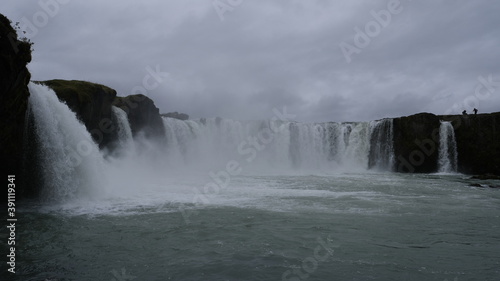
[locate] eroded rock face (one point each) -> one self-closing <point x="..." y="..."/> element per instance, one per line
<point x="144" y="117"/>
<point x="93" y="103"/>
<point x="416" y="143"/>
<point x="14" y="93"/>
<point x="478" y="142"/>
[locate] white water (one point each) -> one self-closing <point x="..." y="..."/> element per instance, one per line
<point x="448" y="156"/>
<point x="259" y="225"/>
<point x="126" y="144"/>
<point x="270" y="146"/>
<point x="137" y="168"/>
<point x="382" y="145"/>
<point x="71" y="162"/>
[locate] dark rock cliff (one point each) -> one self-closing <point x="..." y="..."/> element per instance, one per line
<point x="478" y="142"/>
<point x="144" y="117"/>
<point x="14" y="79"/>
<point x="416" y="143"/>
<point x="92" y="104"/>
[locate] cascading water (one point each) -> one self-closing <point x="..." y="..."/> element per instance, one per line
<point x="382" y="145"/>
<point x="271" y="145"/>
<point x="73" y="166"/>
<point x="357" y="146"/>
<point x="125" y="143"/>
<point x="448" y="156"/>
<point x="71" y="161"/>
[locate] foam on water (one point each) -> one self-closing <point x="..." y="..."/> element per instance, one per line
<point x="159" y="213"/>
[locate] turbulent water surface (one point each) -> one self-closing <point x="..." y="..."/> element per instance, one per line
<point x="220" y="199"/>
<point x="367" y="227"/>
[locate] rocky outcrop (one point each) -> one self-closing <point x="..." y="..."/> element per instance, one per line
<point x="176" y="115"/>
<point x="478" y="142"/>
<point x="92" y="104"/>
<point x="14" y="56"/>
<point x="416" y="143"/>
<point x="144" y="117"/>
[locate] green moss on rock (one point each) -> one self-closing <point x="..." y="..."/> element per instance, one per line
<point x="92" y="104"/>
<point x="82" y="91"/>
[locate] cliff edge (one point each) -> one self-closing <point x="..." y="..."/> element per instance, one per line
<point x="15" y="54"/>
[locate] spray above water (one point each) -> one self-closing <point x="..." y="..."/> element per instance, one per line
<point x="74" y="166"/>
<point x="71" y="162"/>
<point x="382" y="145"/>
<point x="278" y="146"/>
<point x="125" y="143"/>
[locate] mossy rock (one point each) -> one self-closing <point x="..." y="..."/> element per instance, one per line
<point x="92" y="104"/>
<point x="83" y="91"/>
<point x="143" y="115"/>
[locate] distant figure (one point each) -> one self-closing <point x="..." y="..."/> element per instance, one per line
<point x="464" y="112"/>
<point x="475" y="111"/>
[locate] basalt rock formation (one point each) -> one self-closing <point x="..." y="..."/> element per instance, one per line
<point x="416" y="142"/>
<point x="92" y="104"/>
<point x="478" y="142"/>
<point x="144" y="117"/>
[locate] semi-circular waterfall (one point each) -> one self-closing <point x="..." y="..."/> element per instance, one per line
<point x="73" y="164"/>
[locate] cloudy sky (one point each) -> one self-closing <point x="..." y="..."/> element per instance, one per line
<point x="324" y="60"/>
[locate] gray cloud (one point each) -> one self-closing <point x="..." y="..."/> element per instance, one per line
<point x="267" y="54"/>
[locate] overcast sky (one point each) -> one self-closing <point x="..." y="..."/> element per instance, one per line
<point x="324" y="60"/>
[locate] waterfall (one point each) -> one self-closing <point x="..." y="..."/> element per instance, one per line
<point x="182" y="138"/>
<point x="357" y="145"/>
<point x="382" y="145"/>
<point x="447" y="148"/>
<point x="271" y="145"/>
<point x="71" y="161"/>
<point x="125" y="140"/>
<point x="71" y="166"/>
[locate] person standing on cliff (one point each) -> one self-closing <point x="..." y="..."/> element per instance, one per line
<point x="475" y="111"/>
